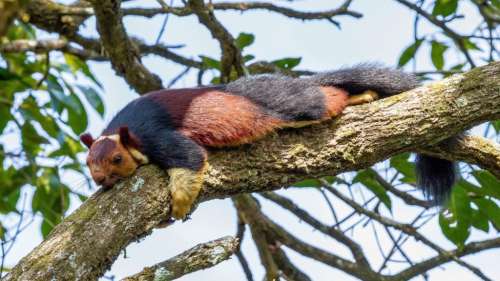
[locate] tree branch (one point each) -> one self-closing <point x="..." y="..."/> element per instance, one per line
<point x="288" y="204"/>
<point x="405" y="228"/>
<point x="471" y="149"/>
<point x="125" y="56"/>
<point x="272" y="257"/>
<point x="86" y="243"/>
<point x="231" y="55"/>
<point x="438" y="260"/>
<point x="248" y="6"/>
<point x="197" y="258"/>
<point x="24" y="45"/>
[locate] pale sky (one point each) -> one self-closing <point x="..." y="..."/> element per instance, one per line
<point x="380" y="36"/>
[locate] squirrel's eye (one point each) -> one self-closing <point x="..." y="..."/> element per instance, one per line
<point x="117" y="159"/>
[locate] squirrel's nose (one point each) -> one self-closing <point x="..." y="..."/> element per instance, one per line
<point x="99" y="179"/>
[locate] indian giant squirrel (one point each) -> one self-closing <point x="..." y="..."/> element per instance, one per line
<point x="171" y="128"/>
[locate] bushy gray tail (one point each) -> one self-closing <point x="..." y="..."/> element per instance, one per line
<point x="357" y="79"/>
<point x="435" y="177"/>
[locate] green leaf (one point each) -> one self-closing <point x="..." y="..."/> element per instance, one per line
<point x="469" y="45"/>
<point x="496" y="125"/>
<point x="5" y="74"/>
<point x="470" y="187"/>
<point x="77" y="119"/>
<point x="244" y="40"/>
<point x="93" y="98"/>
<point x="287" y="63"/>
<point x="367" y="178"/>
<point x="248" y="58"/>
<point x="480" y="221"/>
<point x="402" y="164"/>
<point x="69" y="147"/>
<point x="31" y="140"/>
<point x="57" y="93"/>
<point x="409" y="52"/>
<point x="496" y="3"/>
<point x="308" y="183"/>
<point x="76" y="64"/>
<point x="489" y="183"/>
<point x="2" y="232"/>
<point x="210" y="63"/>
<point x="437" y="54"/>
<point x="47" y="227"/>
<point x="445" y="7"/>
<point x="457" y="234"/>
<point x="457" y="227"/>
<point x="490" y="209"/>
<point x="8" y="201"/>
<point x="5" y="116"/>
<point x="31" y="111"/>
<point x="51" y="199"/>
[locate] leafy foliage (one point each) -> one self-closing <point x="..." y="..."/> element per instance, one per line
<point x="474" y="202"/>
<point x="41" y="114"/>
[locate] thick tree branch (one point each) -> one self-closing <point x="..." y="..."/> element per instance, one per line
<point x="471" y="149"/>
<point x="260" y="237"/>
<point x="55" y="17"/>
<point x="86" y="243"/>
<point x="197" y="258"/>
<point x="125" y="56"/>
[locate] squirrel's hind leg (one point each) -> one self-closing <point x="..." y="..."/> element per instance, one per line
<point x="365" y="97"/>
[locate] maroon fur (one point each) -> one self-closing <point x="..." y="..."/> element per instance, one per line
<point x="335" y="101"/>
<point x="214" y="118"/>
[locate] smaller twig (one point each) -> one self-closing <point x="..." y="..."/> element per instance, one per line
<point x="289" y="205"/>
<point x="240" y="233"/>
<point x="330" y="205"/>
<point x="199" y="257"/>
<point x="38" y="46"/>
<point x="178" y="77"/>
<point x="407" y="198"/>
<point x="46" y="72"/>
<point x="164" y="24"/>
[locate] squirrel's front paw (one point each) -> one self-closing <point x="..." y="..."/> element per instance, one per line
<point x="181" y="204"/>
<point x="185" y="184"/>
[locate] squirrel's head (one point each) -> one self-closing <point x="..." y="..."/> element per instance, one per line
<point x="113" y="157"/>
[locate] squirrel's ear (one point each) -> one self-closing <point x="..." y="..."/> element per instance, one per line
<point x="87" y="139"/>
<point x="126" y="138"/>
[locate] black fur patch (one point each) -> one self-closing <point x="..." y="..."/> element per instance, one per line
<point x="159" y="141"/>
<point x="435" y="177"/>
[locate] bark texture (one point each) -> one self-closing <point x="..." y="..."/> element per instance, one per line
<point x="87" y="242"/>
